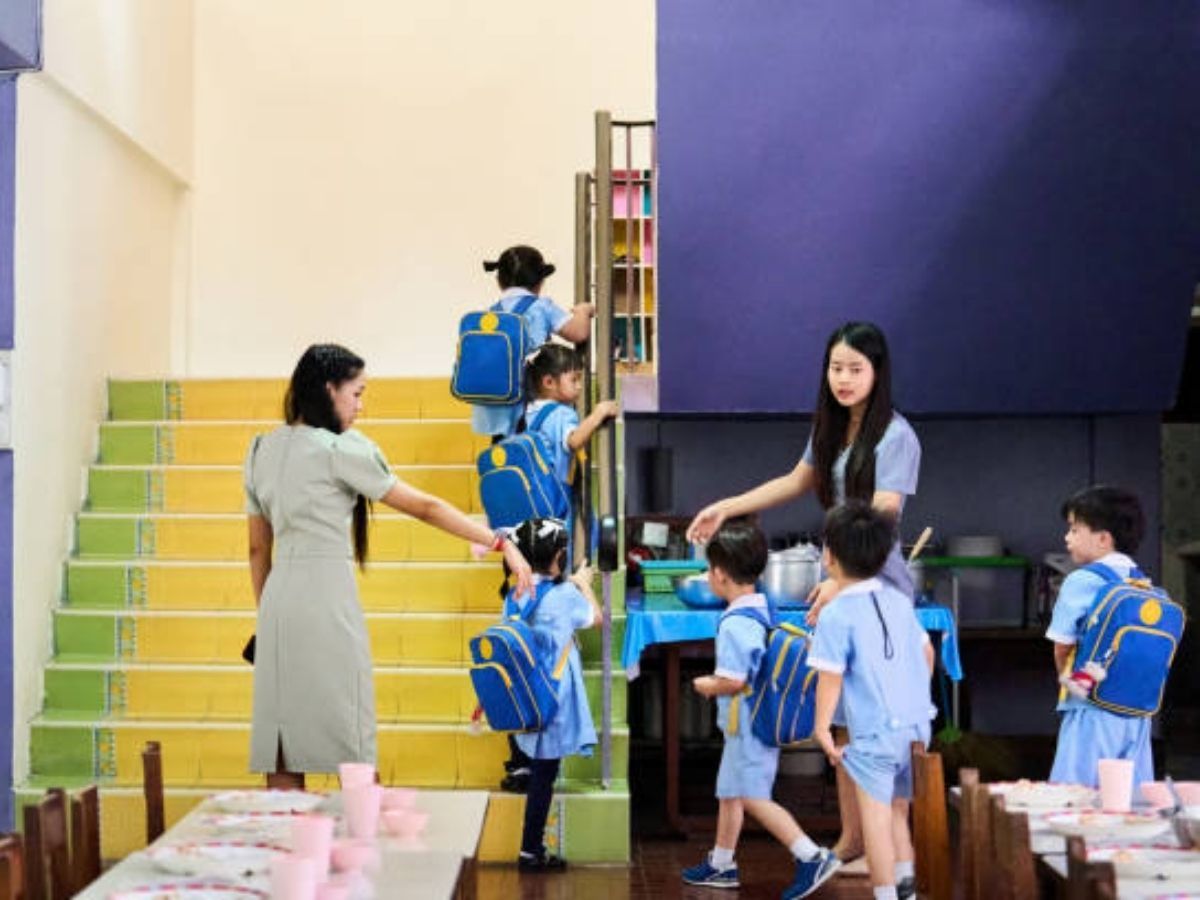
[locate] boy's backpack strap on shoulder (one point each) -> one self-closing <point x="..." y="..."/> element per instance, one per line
<point x="1105" y="572"/>
<point x="542" y="415"/>
<point x="524" y="304"/>
<point x="757" y="614"/>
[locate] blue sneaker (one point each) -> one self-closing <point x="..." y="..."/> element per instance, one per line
<point x="812" y="874"/>
<point x="705" y="875"/>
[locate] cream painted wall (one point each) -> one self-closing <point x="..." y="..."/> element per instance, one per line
<point x="355" y="163"/>
<point x="103" y="137"/>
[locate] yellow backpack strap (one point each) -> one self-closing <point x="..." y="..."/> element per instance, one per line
<point x="735" y="707"/>
<point x="578" y="461"/>
<point x="561" y="666"/>
<point x="1070" y="667"/>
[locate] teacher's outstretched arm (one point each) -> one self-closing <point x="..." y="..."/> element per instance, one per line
<point x="771" y="493"/>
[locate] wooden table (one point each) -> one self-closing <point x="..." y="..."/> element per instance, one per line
<point x="436" y="866"/>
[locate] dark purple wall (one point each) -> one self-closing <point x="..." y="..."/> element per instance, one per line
<point x="1010" y="190"/>
<point x="8" y="128"/>
<point x="20" y="35"/>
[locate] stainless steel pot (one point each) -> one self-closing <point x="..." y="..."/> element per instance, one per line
<point x="791" y="574"/>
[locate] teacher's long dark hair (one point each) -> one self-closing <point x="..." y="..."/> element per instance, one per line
<point x="308" y="401"/>
<point x="832" y="419"/>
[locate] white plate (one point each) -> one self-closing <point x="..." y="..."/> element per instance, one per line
<point x="222" y="859"/>
<point x="189" y="892"/>
<point x="1120" y="826"/>
<point x="1043" y="794"/>
<point x="268" y="801"/>
<point x="1133" y="861"/>
<point x="270" y="828"/>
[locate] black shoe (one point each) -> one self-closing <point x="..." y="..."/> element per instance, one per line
<point x="540" y="862"/>
<point x="516" y="782"/>
<point x="906" y="888"/>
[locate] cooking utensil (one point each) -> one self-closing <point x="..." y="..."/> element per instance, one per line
<point x="921" y="542"/>
<point x="791" y="574"/>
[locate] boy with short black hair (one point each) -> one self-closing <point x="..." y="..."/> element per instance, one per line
<point x="737" y="556"/>
<point x="871" y="651"/>
<point x="1105" y="526"/>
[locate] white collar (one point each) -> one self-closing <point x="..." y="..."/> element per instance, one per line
<point x="511" y="292"/>
<point x="1117" y="560"/>
<point x="747" y="601"/>
<point x="866" y="586"/>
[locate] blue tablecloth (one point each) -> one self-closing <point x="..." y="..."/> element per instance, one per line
<point x="671" y="622"/>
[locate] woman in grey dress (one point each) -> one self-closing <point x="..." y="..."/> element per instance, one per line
<point x="308" y="484"/>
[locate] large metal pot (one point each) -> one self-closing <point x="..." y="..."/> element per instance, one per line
<point x="791" y="574"/>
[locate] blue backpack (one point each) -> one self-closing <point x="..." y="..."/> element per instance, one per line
<point x="517" y="479"/>
<point x="1132" y="631"/>
<point x="489" y="367"/>
<point x="515" y="690"/>
<point x="783" y="699"/>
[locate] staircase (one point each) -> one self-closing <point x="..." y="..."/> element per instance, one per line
<point x="157" y="604"/>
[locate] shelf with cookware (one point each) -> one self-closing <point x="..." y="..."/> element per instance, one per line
<point x="634" y="270"/>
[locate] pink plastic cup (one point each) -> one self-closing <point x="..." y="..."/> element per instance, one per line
<point x="334" y="890"/>
<point x="1116" y="784"/>
<point x="354" y="774"/>
<point x="399" y="798"/>
<point x="312" y="837"/>
<point x="405" y="823"/>
<point x="1189" y="792"/>
<point x="293" y="878"/>
<point x="350" y="855"/>
<point x="1155" y="794"/>
<point x="361" y="807"/>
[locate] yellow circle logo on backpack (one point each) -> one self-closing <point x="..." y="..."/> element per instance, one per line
<point x="485" y="648"/>
<point x="1150" y="612"/>
<point x="488" y="322"/>
<point x="499" y="457"/>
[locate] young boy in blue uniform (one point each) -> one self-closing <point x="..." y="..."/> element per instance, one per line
<point x="737" y="556"/>
<point x="872" y="653"/>
<point x="1104" y="525"/>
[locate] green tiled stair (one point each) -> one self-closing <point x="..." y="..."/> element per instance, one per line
<point x="156" y="606"/>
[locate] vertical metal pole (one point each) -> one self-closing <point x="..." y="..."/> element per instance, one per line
<point x="606" y="451"/>
<point x="583" y="294"/>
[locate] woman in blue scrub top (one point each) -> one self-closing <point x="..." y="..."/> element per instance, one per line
<point x="859" y="448"/>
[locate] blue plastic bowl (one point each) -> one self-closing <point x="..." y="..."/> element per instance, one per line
<point x="695" y="593"/>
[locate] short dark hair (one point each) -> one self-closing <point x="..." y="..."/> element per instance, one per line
<point x="859" y="537"/>
<point x="739" y="549"/>
<point x="552" y="360"/>
<point x="1102" y="507"/>
<point x="520" y="266"/>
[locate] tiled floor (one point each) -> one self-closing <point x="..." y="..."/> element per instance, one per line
<point x="765" y="870"/>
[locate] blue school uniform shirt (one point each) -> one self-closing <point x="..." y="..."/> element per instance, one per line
<point x="741" y="645"/>
<point x="1075" y="598"/>
<point x="897" y="464"/>
<point x="554" y="430"/>
<point x="571" y="732"/>
<point x="543" y="318"/>
<point x="879" y="694"/>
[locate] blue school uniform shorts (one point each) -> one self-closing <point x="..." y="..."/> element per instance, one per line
<point x="881" y="764"/>
<point x="1088" y="734"/>
<point x="748" y="768"/>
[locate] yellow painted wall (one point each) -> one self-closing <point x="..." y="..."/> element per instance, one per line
<point x="103" y="143"/>
<point x="355" y="164"/>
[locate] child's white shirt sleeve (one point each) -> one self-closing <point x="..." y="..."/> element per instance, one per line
<point x="1075" y="599"/>
<point x="830" y="650"/>
<point x="739" y="642"/>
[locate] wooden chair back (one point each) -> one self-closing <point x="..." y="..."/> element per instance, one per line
<point x="12" y="867"/>
<point x="1085" y="880"/>
<point x="931" y="831"/>
<point x="975" y="837"/>
<point x="47" y="856"/>
<point x="1013" y="854"/>
<point x="85" y="837"/>
<point x="152" y="788"/>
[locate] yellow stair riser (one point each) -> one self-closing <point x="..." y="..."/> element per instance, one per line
<point x="436" y="641"/>
<point x="403" y="443"/>
<point x="186" y="489"/>
<point x="400" y="696"/>
<point x="382" y="588"/>
<point x="392" y="538"/>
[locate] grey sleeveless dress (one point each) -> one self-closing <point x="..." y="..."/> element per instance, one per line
<point x="313" y="687"/>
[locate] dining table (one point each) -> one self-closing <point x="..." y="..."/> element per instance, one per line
<point x="435" y="865"/>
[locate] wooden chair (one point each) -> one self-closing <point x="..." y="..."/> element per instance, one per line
<point x="47" y="857"/>
<point x="931" y="832"/>
<point x="1013" y="865"/>
<point x="12" y="867"/>
<point x="152" y="787"/>
<point x="85" y="837"/>
<point x="1085" y="880"/>
<point x="975" y="836"/>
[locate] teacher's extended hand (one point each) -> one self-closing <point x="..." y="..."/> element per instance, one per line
<point x="706" y="523"/>
<point x="519" y="566"/>
<point x="819" y="597"/>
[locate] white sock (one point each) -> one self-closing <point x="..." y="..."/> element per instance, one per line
<point x="721" y="858"/>
<point x="804" y="849"/>
<point x="887" y="892"/>
<point x="904" y="869"/>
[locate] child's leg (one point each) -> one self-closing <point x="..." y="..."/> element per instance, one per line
<point x="901" y="837"/>
<point x="779" y="822"/>
<point x="849" y="844"/>
<point x="729" y="822"/>
<point x="542" y="774"/>
<point x="877" y="828"/>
